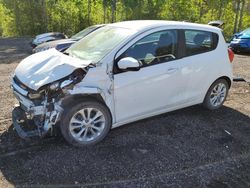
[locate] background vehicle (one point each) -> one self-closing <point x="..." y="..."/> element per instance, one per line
<point x="121" y="73"/>
<point x="63" y="44"/>
<point x="241" y="41"/>
<point x="46" y="37"/>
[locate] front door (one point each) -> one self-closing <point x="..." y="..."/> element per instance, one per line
<point x="161" y="82"/>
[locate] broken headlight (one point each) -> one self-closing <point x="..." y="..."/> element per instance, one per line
<point x="66" y="83"/>
<point x="34" y="95"/>
<point x="73" y="79"/>
<point x="54" y="86"/>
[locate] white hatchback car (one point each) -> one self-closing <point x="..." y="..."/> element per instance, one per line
<point x="118" y="74"/>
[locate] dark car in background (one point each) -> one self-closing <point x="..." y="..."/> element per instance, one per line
<point x="63" y="44"/>
<point x="241" y="41"/>
<point x="46" y="37"/>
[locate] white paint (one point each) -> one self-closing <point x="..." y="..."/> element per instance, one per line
<point x="128" y="62"/>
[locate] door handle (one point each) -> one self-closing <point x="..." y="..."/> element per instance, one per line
<point x="171" y="70"/>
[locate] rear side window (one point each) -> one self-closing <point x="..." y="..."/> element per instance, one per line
<point x="198" y="42"/>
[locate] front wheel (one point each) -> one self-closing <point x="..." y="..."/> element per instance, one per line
<point x="85" y="123"/>
<point x="216" y="95"/>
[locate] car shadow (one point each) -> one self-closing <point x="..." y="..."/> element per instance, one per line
<point x="163" y="150"/>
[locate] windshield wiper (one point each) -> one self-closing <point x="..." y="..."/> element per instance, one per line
<point x="92" y="65"/>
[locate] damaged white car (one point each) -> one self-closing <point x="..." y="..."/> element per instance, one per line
<point x="119" y="74"/>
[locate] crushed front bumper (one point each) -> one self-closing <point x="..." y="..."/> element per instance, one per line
<point x="29" y="124"/>
<point x="20" y="121"/>
<point x="33" y="119"/>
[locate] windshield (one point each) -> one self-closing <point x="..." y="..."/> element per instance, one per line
<point x="83" y="33"/>
<point x="245" y="34"/>
<point x="99" y="43"/>
<point x="247" y="31"/>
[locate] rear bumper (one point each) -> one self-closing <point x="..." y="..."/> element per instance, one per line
<point x="239" y="48"/>
<point x="33" y="45"/>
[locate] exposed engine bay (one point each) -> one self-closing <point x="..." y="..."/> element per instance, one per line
<point x="41" y="109"/>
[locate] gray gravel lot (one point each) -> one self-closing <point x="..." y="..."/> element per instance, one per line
<point x="192" y="147"/>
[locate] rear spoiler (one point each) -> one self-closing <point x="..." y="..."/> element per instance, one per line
<point x="216" y="23"/>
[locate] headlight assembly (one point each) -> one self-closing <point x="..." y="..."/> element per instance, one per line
<point x="34" y="95"/>
<point x="54" y="86"/>
<point x="66" y="83"/>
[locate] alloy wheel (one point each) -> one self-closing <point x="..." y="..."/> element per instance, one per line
<point x="87" y="124"/>
<point x="218" y="94"/>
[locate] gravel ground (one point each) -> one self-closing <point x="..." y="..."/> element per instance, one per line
<point x="192" y="147"/>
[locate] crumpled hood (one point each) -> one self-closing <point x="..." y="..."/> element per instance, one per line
<point x="46" y="67"/>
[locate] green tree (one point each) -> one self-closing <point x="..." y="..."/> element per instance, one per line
<point x="31" y="17"/>
<point x="7" y="28"/>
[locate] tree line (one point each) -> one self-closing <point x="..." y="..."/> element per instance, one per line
<point x="31" y="17"/>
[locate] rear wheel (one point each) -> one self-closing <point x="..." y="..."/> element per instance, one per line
<point x="216" y="94"/>
<point x="85" y="123"/>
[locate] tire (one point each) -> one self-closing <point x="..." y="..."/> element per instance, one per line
<point x="216" y="96"/>
<point x="85" y="123"/>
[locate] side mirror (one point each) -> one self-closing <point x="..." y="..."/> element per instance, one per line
<point x="129" y="63"/>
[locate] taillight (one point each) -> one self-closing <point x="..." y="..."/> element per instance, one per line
<point x="230" y="54"/>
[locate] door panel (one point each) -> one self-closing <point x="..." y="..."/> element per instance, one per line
<point x="150" y="89"/>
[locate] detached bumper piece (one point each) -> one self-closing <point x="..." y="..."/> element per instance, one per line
<point x="20" y="121"/>
<point x="240" y="79"/>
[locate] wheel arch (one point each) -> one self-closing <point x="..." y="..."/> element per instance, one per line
<point x="225" y="78"/>
<point x="207" y="101"/>
<point x="74" y="103"/>
<point x="228" y="80"/>
<point x="74" y="99"/>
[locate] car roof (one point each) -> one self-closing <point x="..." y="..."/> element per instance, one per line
<point x="55" y="42"/>
<point x="141" y="25"/>
<point x="48" y="34"/>
<point x="98" y="25"/>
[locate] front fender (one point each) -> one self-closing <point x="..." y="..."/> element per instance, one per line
<point x="95" y="92"/>
<point x="85" y="90"/>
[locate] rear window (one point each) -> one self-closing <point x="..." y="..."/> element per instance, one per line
<point x="59" y="36"/>
<point x="198" y="42"/>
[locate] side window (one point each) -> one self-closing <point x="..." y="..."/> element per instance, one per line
<point x="59" y="36"/>
<point x="198" y="42"/>
<point x="155" y="48"/>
